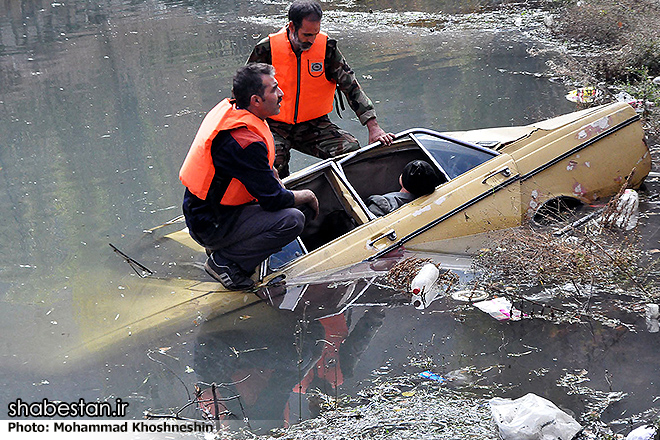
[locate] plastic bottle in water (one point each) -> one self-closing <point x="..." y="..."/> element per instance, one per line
<point x="422" y="286"/>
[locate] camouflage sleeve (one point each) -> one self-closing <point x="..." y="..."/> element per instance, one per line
<point x="338" y="70"/>
<point x="261" y="53"/>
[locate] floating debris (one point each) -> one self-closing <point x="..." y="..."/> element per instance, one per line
<point x="432" y="376"/>
<point x="384" y="411"/>
<point x="531" y="417"/>
<point x="531" y="257"/>
<point x="622" y="211"/>
<point x="402" y="274"/>
<point x="638" y="104"/>
<point x="499" y="308"/>
<point x="645" y="432"/>
<point x="652" y="314"/>
<point x="469" y="295"/>
<point x="584" y="95"/>
<point x="422" y="285"/>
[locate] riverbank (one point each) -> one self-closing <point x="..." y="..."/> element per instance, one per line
<point x="613" y="47"/>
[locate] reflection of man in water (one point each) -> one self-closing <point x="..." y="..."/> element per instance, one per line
<point x="310" y="69"/>
<point x="273" y="358"/>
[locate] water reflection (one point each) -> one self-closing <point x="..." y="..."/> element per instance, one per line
<point x="273" y="361"/>
<point x="281" y="365"/>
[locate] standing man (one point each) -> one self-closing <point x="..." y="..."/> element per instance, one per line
<point x="309" y="70"/>
<point x="234" y="204"/>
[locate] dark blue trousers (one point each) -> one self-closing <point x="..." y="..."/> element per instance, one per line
<point x="256" y="234"/>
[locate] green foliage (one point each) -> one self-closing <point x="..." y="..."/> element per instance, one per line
<point x="639" y="83"/>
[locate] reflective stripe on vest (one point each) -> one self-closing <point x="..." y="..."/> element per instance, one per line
<point x="197" y="171"/>
<point x="307" y="92"/>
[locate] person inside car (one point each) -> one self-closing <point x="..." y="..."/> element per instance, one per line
<point x="418" y="179"/>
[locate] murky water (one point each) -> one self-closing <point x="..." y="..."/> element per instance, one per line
<point x="98" y="105"/>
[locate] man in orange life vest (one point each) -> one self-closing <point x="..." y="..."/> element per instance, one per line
<point x="234" y="204"/>
<point x="309" y="69"/>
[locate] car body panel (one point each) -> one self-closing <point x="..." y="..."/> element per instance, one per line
<point x="587" y="159"/>
<point x="591" y="153"/>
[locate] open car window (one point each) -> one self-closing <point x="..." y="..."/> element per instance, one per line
<point x="340" y="211"/>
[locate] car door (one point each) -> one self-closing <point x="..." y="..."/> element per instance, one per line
<point x="482" y="198"/>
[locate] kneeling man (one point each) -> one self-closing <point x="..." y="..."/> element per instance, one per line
<point x="235" y="204"/>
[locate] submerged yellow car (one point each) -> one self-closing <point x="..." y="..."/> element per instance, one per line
<point x="492" y="179"/>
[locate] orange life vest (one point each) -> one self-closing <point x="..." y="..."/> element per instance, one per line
<point x="307" y="92"/>
<point x="197" y="170"/>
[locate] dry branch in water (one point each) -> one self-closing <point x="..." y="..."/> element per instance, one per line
<point x="528" y="257"/>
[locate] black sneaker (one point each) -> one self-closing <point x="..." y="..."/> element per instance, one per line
<point x="227" y="272"/>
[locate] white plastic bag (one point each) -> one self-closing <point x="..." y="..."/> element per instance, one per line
<point x="532" y="418"/>
<point x="499" y="308"/>
<point x="641" y="433"/>
<point x="652" y="318"/>
<point x="627" y="209"/>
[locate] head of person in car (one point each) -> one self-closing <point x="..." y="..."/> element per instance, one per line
<point x="419" y="178"/>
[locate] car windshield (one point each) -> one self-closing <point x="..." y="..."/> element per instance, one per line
<point x="454" y="158"/>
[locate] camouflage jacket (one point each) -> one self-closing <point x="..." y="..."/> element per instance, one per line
<point x="337" y="70"/>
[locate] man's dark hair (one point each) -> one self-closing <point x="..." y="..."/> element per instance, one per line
<point x="248" y="81"/>
<point x="309" y="9"/>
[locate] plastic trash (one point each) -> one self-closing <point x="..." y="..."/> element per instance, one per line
<point x="469" y="295"/>
<point x="532" y="418"/>
<point x="461" y="377"/>
<point x="637" y="104"/>
<point x="422" y="286"/>
<point x="432" y="376"/>
<point x="425" y="278"/>
<point x="584" y="95"/>
<point x="642" y="433"/>
<point x="656" y="80"/>
<point x="652" y="318"/>
<point x="422" y="301"/>
<point x="499" y="308"/>
<point x="627" y="210"/>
